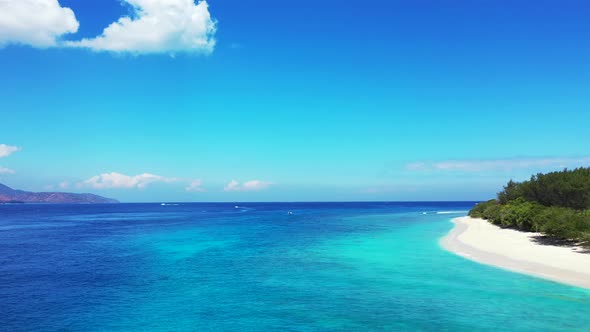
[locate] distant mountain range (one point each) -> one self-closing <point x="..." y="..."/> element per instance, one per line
<point x="9" y="195"/>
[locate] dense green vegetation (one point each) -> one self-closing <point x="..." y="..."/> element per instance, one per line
<point x="556" y="204"/>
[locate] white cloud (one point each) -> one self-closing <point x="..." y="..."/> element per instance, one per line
<point x="7" y="150"/>
<point x="158" y="26"/>
<point x="4" y="170"/>
<point x="232" y="186"/>
<point x="497" y="165"/>
<point x="61" y="185"/>
<point x="39" y="23"/>
<point x="253" y="185"/>
<point x="117" y="180"/>
<point x="195" y="186"/>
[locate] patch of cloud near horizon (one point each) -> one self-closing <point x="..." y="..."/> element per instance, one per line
<point x="158" y="26"/>
<point x="7" y="150"/>
<point x="38" y="23"/>
<point x="4" y="170"/>
<point x="497" y="165"/>
<point x="252" y="185"/>
<point x="195" y="186"/>
<point x="118" y="180"/>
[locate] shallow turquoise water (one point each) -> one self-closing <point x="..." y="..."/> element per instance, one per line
<point x="214" y="267"/>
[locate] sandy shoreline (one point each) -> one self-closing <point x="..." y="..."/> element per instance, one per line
<point x="478" y="240"/>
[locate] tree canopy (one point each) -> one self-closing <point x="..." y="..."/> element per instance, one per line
<point x="556" y="204"/>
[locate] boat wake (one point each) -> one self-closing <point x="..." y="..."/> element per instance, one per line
<point x="445" y="212"/>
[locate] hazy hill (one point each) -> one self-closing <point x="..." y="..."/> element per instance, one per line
<point x="8" y="194"/>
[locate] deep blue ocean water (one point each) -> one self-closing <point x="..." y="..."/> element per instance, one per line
<point x="255" y="267"/>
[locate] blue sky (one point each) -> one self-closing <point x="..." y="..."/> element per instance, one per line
<point x="292" y="101"/>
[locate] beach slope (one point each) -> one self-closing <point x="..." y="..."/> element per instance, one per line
<point x="479" y="240"/>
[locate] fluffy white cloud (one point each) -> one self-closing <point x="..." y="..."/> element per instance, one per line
<point x="7" y="150"/>
<point x="497" y="165"/>
<point x="4" y="170"/>
<point x="117" y="180"/>
<point x="253" y="185"/>
<point x="64" y="185"/>
<point x="38" y="23"/>
<point x="195" y="186"/>
<point x="158" y="26"/>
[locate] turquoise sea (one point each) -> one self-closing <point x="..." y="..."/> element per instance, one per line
<point x="257" y="267"/>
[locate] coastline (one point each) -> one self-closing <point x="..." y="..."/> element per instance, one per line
<point x="483" y="242"/>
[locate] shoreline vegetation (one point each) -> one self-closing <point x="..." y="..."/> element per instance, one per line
<point x="555" y="204"/>
<point x="539" y="227"/>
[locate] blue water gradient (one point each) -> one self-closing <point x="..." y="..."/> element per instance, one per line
<point x="255" y="267"/>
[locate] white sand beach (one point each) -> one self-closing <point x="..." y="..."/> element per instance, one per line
<point x="479" y="240"/>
